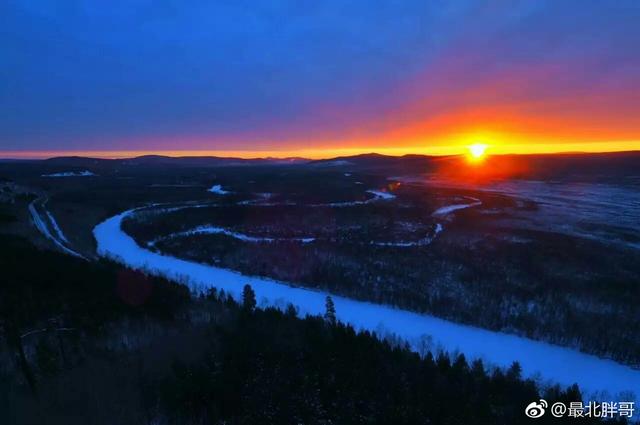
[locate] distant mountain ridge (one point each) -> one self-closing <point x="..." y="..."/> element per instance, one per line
<point x="197" y="161"/>
<point x="592" y="167"/>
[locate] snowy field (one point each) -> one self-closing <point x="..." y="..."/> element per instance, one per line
<point x="605" y="212"/>
<point x="595" y="211"/>
<point x="600" y="378"/>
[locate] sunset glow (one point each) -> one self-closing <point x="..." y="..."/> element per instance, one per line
<point x="321" y="153"/>
<point x="432" y="81"/>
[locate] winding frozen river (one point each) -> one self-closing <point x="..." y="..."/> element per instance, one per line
<point x="553" y="363"/>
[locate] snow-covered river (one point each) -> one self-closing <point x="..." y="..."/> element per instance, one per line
<point x="551" y="363"/>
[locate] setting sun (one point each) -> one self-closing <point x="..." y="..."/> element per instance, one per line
<point x="477" y="150"/>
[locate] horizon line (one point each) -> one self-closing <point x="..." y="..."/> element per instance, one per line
<point x="328" y="153"/>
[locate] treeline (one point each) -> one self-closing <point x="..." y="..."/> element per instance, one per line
<point x="47" y="297"/>
<point x="208" y="360"/>
<point x="567" y="291"/>
<point x="40" y="284"/>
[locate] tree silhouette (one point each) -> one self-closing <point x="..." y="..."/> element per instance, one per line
<point x="330" y="310"/>
<point x="248" y="298"/>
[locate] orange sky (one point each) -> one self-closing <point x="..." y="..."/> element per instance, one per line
<point x="416" y="77"/>
<point x="495" y="146"/>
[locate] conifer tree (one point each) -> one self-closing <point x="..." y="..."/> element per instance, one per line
<point x="515" y="372"/>
<point x="330" y="310"/>
<point x="248" y="298"/>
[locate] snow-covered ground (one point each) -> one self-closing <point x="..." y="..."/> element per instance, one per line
<point x="387" y="196"/>
<point x="448" y="209"/>
<point x="56" y="228"/>
<point x="85" y="173"/>
<point x="58" y="238"/>
<point x="557" y="364"/>
<point x="378" y="195"/>
<point x="217" y="189"/>
<point x="215" y="230"/>
<point x="605" y="212"/>
<point x="262" y="199"/>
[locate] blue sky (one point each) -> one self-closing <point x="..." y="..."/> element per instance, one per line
<point x="137" y="74"/>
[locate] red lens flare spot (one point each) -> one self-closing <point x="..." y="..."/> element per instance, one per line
<point x="134" y="288"/>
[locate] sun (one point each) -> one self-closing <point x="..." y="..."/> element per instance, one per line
<point x="477" y="151"/>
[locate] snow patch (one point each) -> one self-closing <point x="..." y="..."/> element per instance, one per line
<point x="85" y="173"/>
<point x="378" y="195"/>
<point x="59" y="240"/>
<point x="56" y="228"/>
<point x="215" y="230"/>
<point x="422" y="242"/>
<point x="218" y="190"/>
<point x="262" y="199"/>
<point x="382" y="195"/>
<point x="451" y="208"/>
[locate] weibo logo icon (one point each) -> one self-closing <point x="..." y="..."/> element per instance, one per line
<point x="536" y="409"/>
